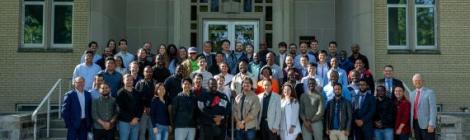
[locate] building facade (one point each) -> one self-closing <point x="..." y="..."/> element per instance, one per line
<point x="42" y="40"/>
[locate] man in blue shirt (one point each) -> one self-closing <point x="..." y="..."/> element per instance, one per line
<point x="112" y="77"/>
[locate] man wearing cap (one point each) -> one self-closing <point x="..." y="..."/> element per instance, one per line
<point x="193" y="58"/>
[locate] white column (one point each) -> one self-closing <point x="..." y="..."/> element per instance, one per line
<point x="181" y="22"/>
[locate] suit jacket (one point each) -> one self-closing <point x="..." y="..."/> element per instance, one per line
<point x="72" y="112"/>
<point x="427" y="111"/>
<point x="395" y="83"/>
<point x="251" y="108"/>
<point x="367" y="110"/>
<point x="274" y="110"/>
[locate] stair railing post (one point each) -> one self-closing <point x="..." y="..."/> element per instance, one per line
<point x="60" y="99"/>
<point x="34" y="128"/>
<point x="48" y="117"/>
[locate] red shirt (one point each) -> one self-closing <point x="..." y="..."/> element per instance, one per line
<point x="403" y="108"/>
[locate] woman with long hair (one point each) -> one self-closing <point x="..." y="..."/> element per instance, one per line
<point x="290" y="126"/>
<point x="160" y="113"/>
<point x="112" y="46"/>
<point x="162" y="50"/>
<point x="173" y="58"/>
<point x="402" y="115"/>
<point x="120" y="65"/>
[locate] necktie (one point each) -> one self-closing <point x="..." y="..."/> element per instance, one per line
<point x="416" y="103"/>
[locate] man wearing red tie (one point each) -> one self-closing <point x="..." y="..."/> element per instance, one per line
<point x="423" y="110"/>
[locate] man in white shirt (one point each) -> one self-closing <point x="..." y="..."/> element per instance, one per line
<point x="127" y="57"/>
<point x="87" y="70"/>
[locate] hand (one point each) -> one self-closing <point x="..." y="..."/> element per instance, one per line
<point x="217" y="119"/>
<point x="155" y="131"/>
<point x="274" y="130"/>
<point x="328" y="132"/>
<point x="346" y="133"/>
<point x="398" y="132"/>
<point x="378" y="124"/>
<point x="170" y="130"/>
<point x="134" y="121"/>
<point x="308" y="126"/>
<point x="106" y="125"/>
<point x="359" y="122"/>
<point x="241" y="125"/>
<point x="291" y="130"/>
<point x="430" y="129"/>
<point x="147" y="110"/>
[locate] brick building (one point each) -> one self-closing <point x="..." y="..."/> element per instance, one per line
<point x="425" y="36"/>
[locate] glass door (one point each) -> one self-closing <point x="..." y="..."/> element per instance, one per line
<point x="246" y="32"/>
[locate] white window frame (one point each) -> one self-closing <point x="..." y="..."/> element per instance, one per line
<point x="54" y="45"/>
<point x="425" y="47"/>
<point x="231" y="31"/>
<point x="411" y="26"/>
<point x="406" y="46"/>
<point x="44" y="24"/>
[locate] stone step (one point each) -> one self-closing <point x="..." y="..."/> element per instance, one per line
<point x="54" y="133"/>
<point x="57" y="123"/>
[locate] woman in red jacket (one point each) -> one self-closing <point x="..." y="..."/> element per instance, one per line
<point x="402" y="116"/>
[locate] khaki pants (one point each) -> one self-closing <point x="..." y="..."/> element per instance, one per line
<point x="337" y="135"/>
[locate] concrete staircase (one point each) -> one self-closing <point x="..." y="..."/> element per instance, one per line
<point x="57" y="131"/>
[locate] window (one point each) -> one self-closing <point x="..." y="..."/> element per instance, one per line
<point x="411" y="25"/>
<point x="36" y="21"/>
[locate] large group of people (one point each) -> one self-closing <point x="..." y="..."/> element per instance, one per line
<point x="187" y="94"/>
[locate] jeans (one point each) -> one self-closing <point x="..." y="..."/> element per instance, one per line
<point x="128" y="131"/>
<point x="249" y="134"/>
<point x="185" y="133"/>
<point x="384" y="134"/>
<point x="146" y="125"/>
<point x="162" y="132"/>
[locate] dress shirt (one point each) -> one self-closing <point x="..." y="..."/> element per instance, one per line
<point x="81" y="99"/>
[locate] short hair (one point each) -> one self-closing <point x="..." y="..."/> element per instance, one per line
<point x="323" y="52"/>
<point x="127" y="75"/>
<point x="99" y="75"/>
<point x="380" y="86"/>
<point x="91" y="43"/>
<point x="123" y="40"/>
<point x="268" y="80"/>
<point x="198" y="75"/>
<point x="363" y="80"/>
<point x="78" y="78"/>
<point x="89" y="52"/>
<point x="188" y="80"/>
<point x="388" y="66"/>
<point x="282" y="44"/>
<point x="212" y="79"/>
<point x="110" y="58"/>
<point x="248" y="79"/>
<point x="209" y="42"/>
<point x="304" y="56"/>
<point x="333" y="42"/>
<point x="303" y="42"/>
<point x="337" y="84"/>
<point x="313" y="65"/>
<point x="219" y="52"/>
<point x="226" y="40"/>
<point x="292" y="44"/>
<point x="142" y="49"/>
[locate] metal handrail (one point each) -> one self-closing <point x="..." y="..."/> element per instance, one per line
<point x="406" y="88"/>
<point x="44" y="100"/>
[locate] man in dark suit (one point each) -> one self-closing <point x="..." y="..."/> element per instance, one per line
<point x="206" y="52"/>
<point x="363" y="112"/>
<point x="389" y="82"/>
<point x="76" y="111"/>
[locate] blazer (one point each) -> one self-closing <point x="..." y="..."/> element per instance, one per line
<point x="72" y="112"/>
<point x="290" y="115"/>
<point x="274" y="112"/>
<point x="395" y="83"/>
<point x="251" y="108"/>
<point x="367" y="109"/>
<point x="427" y="111"/>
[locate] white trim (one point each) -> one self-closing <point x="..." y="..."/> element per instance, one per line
<point x="231" y="30"/>
<point x="33" y="45"/>
<point x="394" y="47"/>
<point x="54" y="45"/>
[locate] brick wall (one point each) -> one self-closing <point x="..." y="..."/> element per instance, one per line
<point x="27" y="77"/>
<point x="447" y="73"/>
